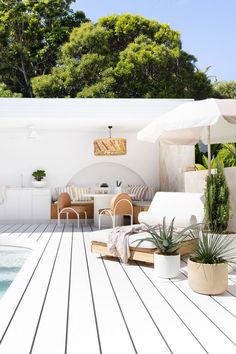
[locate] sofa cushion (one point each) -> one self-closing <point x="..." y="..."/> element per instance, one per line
<point x="186" y="208"/>
<point x="58" y="190"/>
<point x="150" y="193"/>
<point x="78" y="193"/>
<point x="102" y="236"/>
<point x="137" y="191"/>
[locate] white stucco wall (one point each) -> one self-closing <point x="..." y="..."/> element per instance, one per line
<point x="63" y="154"/>
<point x="174" y="160"/>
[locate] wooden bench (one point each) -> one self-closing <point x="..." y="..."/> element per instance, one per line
<point x="139" y="253"/>
<point x="87" y="204"/>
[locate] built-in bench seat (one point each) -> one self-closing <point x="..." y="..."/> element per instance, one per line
<point x="88" y="204"/>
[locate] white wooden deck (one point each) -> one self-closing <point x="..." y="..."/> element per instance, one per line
<point x="67" y="300"/>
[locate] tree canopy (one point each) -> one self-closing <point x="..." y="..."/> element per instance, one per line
<point x="5" y="92"/>
<point x="31" y="34"/>
<point x="225" y="89"/>
<point x="124" y="56"/>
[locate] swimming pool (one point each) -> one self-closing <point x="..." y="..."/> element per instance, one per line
<point x="11" y="261"/>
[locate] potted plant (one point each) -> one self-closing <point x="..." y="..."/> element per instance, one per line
<point x="208" y="265"/>
<point x="117" y="188"/>
<point x="168" y="241"/>
<point x="39" y="178"/>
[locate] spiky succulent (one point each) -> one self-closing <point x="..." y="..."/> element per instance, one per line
<point x="167" y="239"/>
<point x="214" y="248"/>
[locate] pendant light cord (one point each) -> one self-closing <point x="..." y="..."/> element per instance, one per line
<point x="110" y="128"/>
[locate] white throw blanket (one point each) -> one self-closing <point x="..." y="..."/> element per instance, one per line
<point x="118" y="240"/>
<point x="2" y="194"/>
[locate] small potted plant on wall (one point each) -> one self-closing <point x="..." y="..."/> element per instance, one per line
<point x="208" y="265"/>
<point x="39" y="181"/>
<point x="168" y="242"/>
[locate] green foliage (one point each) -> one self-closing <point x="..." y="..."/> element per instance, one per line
<point x="204" y="165"/>
<point x="39" y="175"/>
<point x="31" y="34"/>
<point x="213" y="249"/>
<point x="225" y="89"/>
<point x="124" y="56"/>
<point x="227" y="154"/>
<point x="5" y="92"/>
<point x="217" y="204"/>
<point x="201" y="158"/>
<point x="165" y="238"/>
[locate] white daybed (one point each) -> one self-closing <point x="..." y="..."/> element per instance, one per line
<point x="186" y="208"/>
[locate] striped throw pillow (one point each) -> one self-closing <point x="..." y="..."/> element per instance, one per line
<point x="138" y="191"/>
<point x="150" y="192"/>
<point x="78" y="193"/>
<point x="58" y="190"/>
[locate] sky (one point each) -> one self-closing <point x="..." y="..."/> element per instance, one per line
<point x="207" y="27"/>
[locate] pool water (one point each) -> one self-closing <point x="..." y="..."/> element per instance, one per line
<point x="11" y="261"/>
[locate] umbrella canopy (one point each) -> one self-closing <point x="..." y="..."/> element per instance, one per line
<point x="188" y="123"/>
<point x="212" y="121"/>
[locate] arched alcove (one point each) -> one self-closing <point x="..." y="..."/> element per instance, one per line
<point x="106" y="172"/>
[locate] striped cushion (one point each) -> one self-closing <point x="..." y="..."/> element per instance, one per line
<point x="58" y="190"/>
<point x="138" y="191"/>
<point x="150" y="192"/>
<point x="78" y="193"/>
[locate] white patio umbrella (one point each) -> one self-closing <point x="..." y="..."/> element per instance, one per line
<point x="211" y="121"/>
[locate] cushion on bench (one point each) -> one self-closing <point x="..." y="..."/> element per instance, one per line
<point x="186" y="208"/>
<point x="102" y="236"/>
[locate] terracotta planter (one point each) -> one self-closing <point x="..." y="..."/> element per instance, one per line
<point x="210" y="279"/>
<point x="166" y="266"/>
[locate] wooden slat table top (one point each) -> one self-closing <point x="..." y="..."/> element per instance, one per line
<point x="66" y="300"/>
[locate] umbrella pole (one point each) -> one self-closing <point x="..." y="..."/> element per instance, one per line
<point x="209" y="149"/>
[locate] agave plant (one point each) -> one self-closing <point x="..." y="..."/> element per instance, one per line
<point x="167" y="239"/>
<point x="213" y="249"/>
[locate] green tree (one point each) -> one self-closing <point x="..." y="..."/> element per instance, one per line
<point x="31" y="34"/>
<point x="225" y="89"/>
<point x="217" y="202"/>
<point x="124" y="56"/>
<point x="5" y="92"/>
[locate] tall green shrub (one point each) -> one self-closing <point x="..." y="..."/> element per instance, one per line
<point x="217" y="204"/>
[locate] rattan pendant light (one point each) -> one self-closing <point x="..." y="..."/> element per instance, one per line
<point x="109" y="146"/>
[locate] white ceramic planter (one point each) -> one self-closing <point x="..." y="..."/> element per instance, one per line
<point x="167" y="266"/>
<point x="39" y="184"/>
<point x="210" y="279"/>
<point x="117" y="190"/>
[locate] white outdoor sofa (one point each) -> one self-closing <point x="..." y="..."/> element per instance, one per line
<point x="186" y="208"/>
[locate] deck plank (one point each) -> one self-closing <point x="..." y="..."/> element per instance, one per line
<point x="21" y="336"/>
<point x="66" y="300"/>
<point x="146" y="336"/>
<point x="191" y="314"/>
<point x="27" y="232"/>
<point x="9" y="229"/>
<point x="110" y="321"/>
<point x="161" y="310"/>
<point x="81" y="320"/>
<point x="51" y="332"/>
